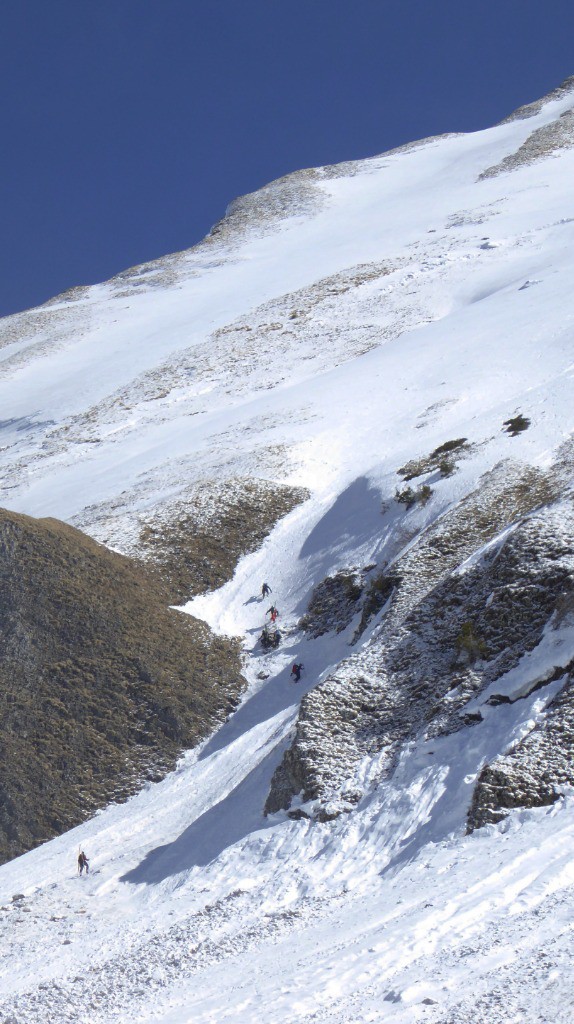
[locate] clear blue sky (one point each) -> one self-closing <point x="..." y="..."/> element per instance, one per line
<point x="128" y="125"/>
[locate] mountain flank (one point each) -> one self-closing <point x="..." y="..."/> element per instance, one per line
<point x="102" y="685"/>
<point x="469" y="599"/>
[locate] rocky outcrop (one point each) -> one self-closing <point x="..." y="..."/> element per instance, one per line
<point x="298" y="193"/>
<point x="545" y="141"/>
<point x="557" y="135"/>
<point x="334" y="603"/>
<point x="446" y="634"/>
<point x="536" y="771"/>
<point x="195" y="545"/>
<point x="531" y="109"/>
<point x="102" y="685"/>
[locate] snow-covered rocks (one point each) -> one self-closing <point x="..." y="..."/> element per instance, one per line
<point x="423" y="672"/>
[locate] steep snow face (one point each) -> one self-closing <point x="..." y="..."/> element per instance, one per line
<point x="337" y="332"/>
<point x="397" y="282"/>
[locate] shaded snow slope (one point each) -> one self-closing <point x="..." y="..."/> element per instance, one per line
<point x="333" y="333"/>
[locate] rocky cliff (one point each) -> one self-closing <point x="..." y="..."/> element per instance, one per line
<point x="464" y="604"/>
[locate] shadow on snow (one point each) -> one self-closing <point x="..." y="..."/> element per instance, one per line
<point x="353" y="520"/>
<point x="226" y="823"/>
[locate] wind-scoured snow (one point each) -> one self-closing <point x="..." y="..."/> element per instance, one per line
<point x="336" y="326"/>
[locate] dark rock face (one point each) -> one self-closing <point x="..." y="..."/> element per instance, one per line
<point x="333" y="603"/>
<point x="381" y="588"/>
<point x="533" y="774"/>
<point x="446" y="636"/>
<point x="101" y="684"/>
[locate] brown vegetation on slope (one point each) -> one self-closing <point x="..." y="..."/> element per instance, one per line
<point x="196" y="544"/>
<point x="102" y="685"/>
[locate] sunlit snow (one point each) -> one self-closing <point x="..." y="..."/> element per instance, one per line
<point x="444" y="308"/>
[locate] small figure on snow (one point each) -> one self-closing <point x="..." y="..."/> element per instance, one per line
<point x="296" y="671"/>
<point x="272" y="611"/>
<point x="83" y="862"/>
<point x="265" y="589"/>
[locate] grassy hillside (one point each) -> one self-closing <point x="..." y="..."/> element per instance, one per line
<point x="102" y="685"/>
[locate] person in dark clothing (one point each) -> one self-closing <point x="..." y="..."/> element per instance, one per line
<point x="265" y="589"/>
<point x="83" y="862"/>
<point x="296" y="671"/>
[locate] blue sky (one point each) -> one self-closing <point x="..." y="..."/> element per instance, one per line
<point x="127" y="126"/>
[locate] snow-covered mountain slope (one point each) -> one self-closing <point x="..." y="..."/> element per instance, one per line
<point x="349" y="332"/>
<point x="235" y="357"/>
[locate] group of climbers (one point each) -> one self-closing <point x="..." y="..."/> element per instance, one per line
<point x="272" y="611"/>
<point x="270" y="637"/>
